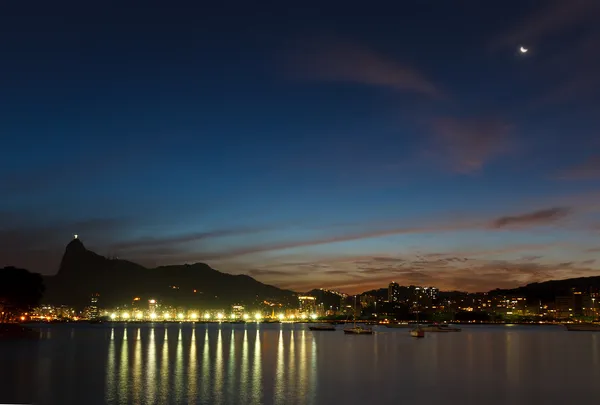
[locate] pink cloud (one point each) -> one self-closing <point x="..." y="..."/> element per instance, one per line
<point x="345" y="62"/>
<point x="470" y="144"/>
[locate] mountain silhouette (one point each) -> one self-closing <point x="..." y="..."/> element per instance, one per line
<point x="547" y="291"/>
<point x="83" y="272"/>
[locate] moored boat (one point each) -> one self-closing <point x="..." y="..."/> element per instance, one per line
<point x="417" y="332"/>
<point x="322" y="327"/>
<point x="399" y="325"/>
<point x="358" y="330"/>
<point x="583" y="327"/>
<point x="442" y="328"/>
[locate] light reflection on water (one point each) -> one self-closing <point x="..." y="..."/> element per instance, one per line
<point x="287" y="364"/>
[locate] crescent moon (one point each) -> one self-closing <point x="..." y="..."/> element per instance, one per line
<point x="523" y="49"/>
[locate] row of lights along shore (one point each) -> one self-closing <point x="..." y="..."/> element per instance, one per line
<point x="207" y="317"/>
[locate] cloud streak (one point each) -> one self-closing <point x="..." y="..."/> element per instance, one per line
<point x="471" y="143"/>
<point x="540" y="217"/>
<point x="351" y="63"/>
<point x="588" y="169"/>
<point x="555" y="17"/>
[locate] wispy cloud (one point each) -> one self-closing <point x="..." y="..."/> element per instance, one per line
<point x="588" y="169"/>
<point x="346" y="62"/>
<point x="471" y="143"/>
<point x="540" y="217"/>
<point x="170" y="241"/>
<point x="554" y="17"/>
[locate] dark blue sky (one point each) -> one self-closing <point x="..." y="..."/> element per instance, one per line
<point x="340" y="145"/>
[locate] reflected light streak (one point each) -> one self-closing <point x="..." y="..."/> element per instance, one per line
<point x="231" y="365"/>
<point x="192" y="377"/>
<point x="279" y="372"/>
<point x="204" y="382"/>
<point x="110" y="369"/>
<point x="257" y="370"/>
<point x="178" y="383"/>
<point x="124" y="369"/>
<point x="302" y="371"/>
<point x="218" y="369"/>
<point x="137" y="369"/>
<point x="292" y="372"/>
<point x="150" y="368"/>
<point x="244" y="372"/>
<point x="164" y="370"/>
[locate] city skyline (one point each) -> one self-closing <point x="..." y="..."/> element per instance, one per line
<point x="307" y="149"/>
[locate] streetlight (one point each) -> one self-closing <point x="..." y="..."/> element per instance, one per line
<point x="152" y="315"/>
<point x="194" y="316"/>
<point x="139" y="315"/>
<point x="180" y="316"/>
<point x="207" y="316"/>
<point x="113" y="316"/>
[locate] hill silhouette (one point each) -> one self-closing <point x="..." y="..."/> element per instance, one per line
<point x="547" y="291"/>
<point x="83" y="272"/>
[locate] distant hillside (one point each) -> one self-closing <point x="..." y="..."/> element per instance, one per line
<point x="547" y="291"/>
<point x="327" y="298"/>
<point x="83" y="272"/>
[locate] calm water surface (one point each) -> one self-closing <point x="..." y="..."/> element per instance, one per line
<point x="288" y="364"/>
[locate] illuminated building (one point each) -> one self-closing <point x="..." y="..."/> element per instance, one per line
<point x="152" y="305"/>
<point x="394" y="292"/>
<point x="237" y="311"/>
<point x="308" y="304"/>
<point x="93" y="311"/>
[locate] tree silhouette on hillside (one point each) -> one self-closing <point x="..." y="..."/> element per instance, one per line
<point x="19" y="291"/>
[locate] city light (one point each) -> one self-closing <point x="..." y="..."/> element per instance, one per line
<point x="180" y="316"/>
<point x="207" y="316"/>
<point x="219" y="316"/>
<point x="292" y="317"/>
<point x="152" y="301"/>
<point x="313" y="316"/>
<point x="194" y="316"/>
<point x="152" y="315"/>
<point x="166" y="315"/>
<point x="113" y="316"/>
<point x="281" y="317"/>
<point x="125" y="315"/>
<point x="139" y="315"/>
<point x="232" y="316"/>
<point x="257" y="316"/>
<point x="246" y="316"/>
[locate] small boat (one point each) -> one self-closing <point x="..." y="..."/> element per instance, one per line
<point x="583" y="327"/>
<point x="418" y="332"/>
<point x="442" y="328"/>
<point x="398" y="325"/>
<point x="322" y="327"/>
<point x="358" y="330"/>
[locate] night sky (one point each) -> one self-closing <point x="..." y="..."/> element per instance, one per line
<point x="308" y="144"/>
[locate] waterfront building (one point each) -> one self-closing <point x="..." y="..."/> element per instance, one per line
<point x="93" y="310"/>
<point x="308" y="304"/>
<point x="394" y="292"/>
